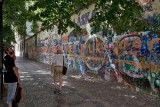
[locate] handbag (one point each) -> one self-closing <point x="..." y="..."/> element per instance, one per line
<point x="64" y="71"/>
<point x="18" y="94"/>
<point x="4" y="91"/>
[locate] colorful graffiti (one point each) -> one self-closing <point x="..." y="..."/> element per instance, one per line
<point x="47" y="46"/>
<point x="130" y="57"/>
<point x="141" y="53"/>
<point x="133" y="57"/>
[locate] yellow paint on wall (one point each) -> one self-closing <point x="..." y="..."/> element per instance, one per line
<point x="153" y="67"/>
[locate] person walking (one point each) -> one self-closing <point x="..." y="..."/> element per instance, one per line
<point x="56" y="68"/>
<point x="11" y="77"/>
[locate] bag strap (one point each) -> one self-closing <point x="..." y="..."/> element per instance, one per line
<point x="63" y="61"/>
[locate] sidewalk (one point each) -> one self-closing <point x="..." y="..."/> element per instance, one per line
<point x="37" y="83"/>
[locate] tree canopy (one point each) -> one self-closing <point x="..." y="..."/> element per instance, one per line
<point x="121" y="15"/>
<point x="14" y="19"/>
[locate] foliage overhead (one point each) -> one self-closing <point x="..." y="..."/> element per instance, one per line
<point x="56" y="12"/>
<point x="120" y="15"/>
<point x="14" y="19"/>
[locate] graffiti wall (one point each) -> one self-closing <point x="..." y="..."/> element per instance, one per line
<point x="139" y="61"/>
<point x="133" y="57"/>
<point x="46" y="45"/>
<point x="30" y="48"/>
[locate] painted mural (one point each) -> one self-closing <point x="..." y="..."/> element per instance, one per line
<point x="46" y="45"/>
<point x="132" y="57"/>
<point x="139" y="54"/>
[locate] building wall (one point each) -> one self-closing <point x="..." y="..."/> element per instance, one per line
<point x="131" y="57"/>
<point x="19" y="46"/>
<point x="30" y="48"/>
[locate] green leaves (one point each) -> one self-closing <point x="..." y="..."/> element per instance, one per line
<point x="8" y="35"/>
<point x="14" y="17"/>
<point x="120" y="15"/>
<point x="58" y="13"/>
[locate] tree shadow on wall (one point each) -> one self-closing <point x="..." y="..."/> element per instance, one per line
<point x="142" y="83"/>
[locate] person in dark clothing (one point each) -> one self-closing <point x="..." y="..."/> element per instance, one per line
<point x="11" y="77"/>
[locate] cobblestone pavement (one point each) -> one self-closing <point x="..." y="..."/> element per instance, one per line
<point x="37" y="84"/>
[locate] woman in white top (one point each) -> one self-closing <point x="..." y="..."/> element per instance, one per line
<point x="57" y="67"/>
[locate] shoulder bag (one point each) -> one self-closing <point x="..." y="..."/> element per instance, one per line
<point x="64" y="71"/>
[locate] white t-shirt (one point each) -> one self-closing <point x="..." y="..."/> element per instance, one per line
<point x="58" y="59"/>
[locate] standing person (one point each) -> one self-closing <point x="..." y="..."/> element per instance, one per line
<point x="11" y="77"/>
<point x="56" y="69"/>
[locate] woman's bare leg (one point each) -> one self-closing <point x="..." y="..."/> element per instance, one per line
<point x="55" y="80"/>
<point x="60" y="81"/>
<point x="9" y="105"/>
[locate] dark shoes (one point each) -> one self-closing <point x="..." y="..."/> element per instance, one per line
<point x="59" y="92"/>
<point x="14" y="105"/>
<point x="56" y="91"/>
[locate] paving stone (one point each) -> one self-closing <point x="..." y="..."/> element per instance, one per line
<point x="89" y="91"/>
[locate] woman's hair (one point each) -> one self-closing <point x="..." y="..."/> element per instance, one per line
<point x="59" y="52"/>
<point x="6" y="50"/>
